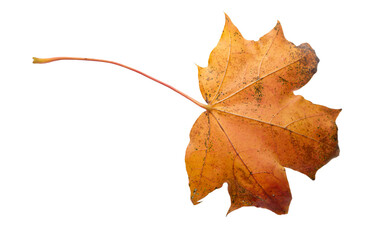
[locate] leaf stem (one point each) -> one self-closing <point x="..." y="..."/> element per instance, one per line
<point x="48" y="60"/>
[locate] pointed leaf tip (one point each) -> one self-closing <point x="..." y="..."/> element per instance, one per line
<point x="199" y="67"/>
<point x="228" y="20"/>
<point x="278" y="26"/>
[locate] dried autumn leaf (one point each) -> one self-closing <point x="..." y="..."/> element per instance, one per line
<point x="256" y="126"/>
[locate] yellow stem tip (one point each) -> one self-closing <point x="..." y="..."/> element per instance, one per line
<point x="40" y="60"/>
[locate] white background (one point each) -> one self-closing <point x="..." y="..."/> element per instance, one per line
<point x="92" y="151"/>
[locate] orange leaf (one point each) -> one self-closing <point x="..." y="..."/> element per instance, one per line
<point x="255" y="125"/>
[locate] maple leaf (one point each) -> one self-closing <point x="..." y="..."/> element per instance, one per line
<point x="254" y="125"/>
